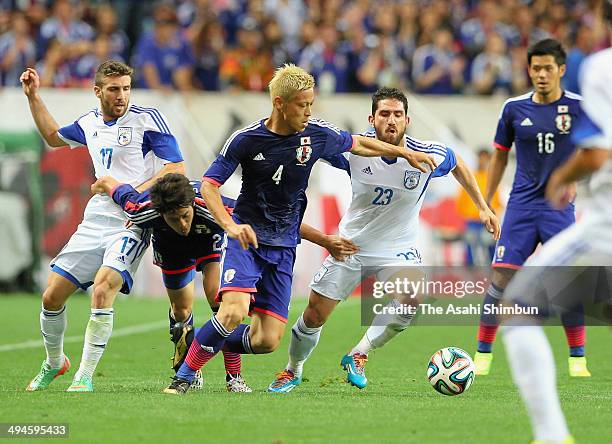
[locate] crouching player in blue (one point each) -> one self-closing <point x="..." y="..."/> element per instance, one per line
<point x="277" y="155"/>
<point x="186" y="239"/>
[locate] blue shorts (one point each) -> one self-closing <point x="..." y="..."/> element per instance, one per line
<point x="180" y="258"/>
<point x="266" y="273"/>
<point x="523" y="230"/>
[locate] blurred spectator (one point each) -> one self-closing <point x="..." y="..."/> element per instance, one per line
<point x="480" y="245"/>
<point x="85" y="69"/>
<point x="475" y="32"/>
<point x="436" y="68"/>
<point x="326" y="61"/>
<point x="164" y="57"/>
<point x="492" y="68"/>
<point x="54" y="70"/>
<point x="526" y="31"/>
<point x="208" y="44"/>
<point x="66" y="29"/>
<point x="248" y="66"/>
<point x="584" y="45"/>
<point x="106" y="25"/>
<point x="288" y="14"/>
<point x="17" y="50"/>
<point x="275" y="45"/>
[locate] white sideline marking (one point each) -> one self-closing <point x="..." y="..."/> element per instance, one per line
<point x="125" y="331"/>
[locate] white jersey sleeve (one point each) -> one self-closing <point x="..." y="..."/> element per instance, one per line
<point x="596" y="87"/>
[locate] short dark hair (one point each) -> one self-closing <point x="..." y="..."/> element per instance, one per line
<point x="388" y="93"/>
<point x="547" y="47"/>
<point x="111" y="68"/>
<point x="171" y="192"/>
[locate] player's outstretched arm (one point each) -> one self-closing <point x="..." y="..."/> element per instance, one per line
<point x="337" y="246"/>
<point x="104" y="185"/>
<point x="467" y="180"/>
<point x="560" y="188"/>
<point x="370" y="147"/>
<point x="498" y="164"/>
<point x="244" y="233"/>
<point x="172" y="167"/>
<point x="46" y="124"/>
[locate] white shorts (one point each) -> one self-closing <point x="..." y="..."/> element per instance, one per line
<point x="336" y="280"/>
<point x="101" y="241"/>
<point x="557" y="272"/>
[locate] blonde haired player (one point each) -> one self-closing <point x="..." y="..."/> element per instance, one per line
<point x="127" y="142"/>
<point x="276" y="155"/>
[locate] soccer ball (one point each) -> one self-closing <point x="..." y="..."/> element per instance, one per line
<point x="451" y="371"/>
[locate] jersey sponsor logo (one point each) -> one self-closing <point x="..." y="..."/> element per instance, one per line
<point x="526" y="122"/>
<point x="259" y="157"/>
<point x="95" y="134"/>
<point x="322" y="272"/>
<point x="120" y="259"/>
<point x="367" y="170"/>
<point x="500" y="252"/>
<point x="564" y="123"/>
<point x="124" y="136"/>
<point x="229" y="274"/>
<point x="303" y="153"/>
<point x="411" y="179"/>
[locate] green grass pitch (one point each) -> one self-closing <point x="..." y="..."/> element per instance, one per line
<point x="398" y="405"/>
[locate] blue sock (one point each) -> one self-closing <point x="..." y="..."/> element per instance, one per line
<point x="577" y="352"/>
<point x="239" y="341"/>
<point x="488" y="321"/>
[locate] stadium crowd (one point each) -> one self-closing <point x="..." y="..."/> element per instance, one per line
<point x="429" y="46"/>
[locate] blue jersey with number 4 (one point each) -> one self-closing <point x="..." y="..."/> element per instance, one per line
<point x="275" y="172"/>
<point x="541" y="134"/>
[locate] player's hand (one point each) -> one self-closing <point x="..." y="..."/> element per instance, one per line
<point x="491" y="222"/>
<point x="244" y="233"/>
<point x="340" y="247"/>
<point x="104" y="185"/>
<point x="417" y="159"/>
<point x="559" y="194"/>
<point x="30" y="82"/>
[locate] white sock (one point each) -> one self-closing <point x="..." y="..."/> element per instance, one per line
<point x="533" y="370"/>
<point x="303" y="341"/>
<point x="52" y="326"/>
<point x="97" y="334"/>
<point x="384" y="327"/>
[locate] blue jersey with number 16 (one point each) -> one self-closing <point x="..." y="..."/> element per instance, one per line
<point x="541" y="134"/>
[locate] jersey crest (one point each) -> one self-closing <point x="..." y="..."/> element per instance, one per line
<point x="124" y="136"/>
<point x="303" y="153"/>
<point x="411" y="179"/>
<point x="564" y="123"/>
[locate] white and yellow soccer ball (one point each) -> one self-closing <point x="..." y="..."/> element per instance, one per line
<point x="451" y="371"/>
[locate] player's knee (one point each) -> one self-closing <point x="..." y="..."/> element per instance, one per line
<point x="53" y="299"/>
<point x="502" y="276"/>
<point x="313" y="317"/>
<point x="232" y="316"/>
<point x="104" y="292"/>
<point x="265" y="344"/>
